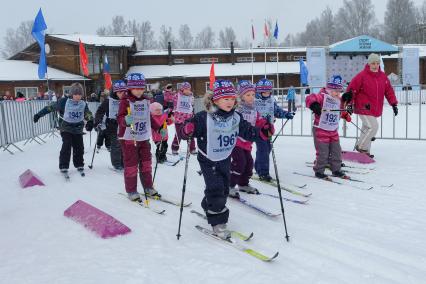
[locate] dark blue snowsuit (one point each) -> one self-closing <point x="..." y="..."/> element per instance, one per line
<point x="216" y="173"/>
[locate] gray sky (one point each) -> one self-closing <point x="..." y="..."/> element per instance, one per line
<point x="85" y="16"/>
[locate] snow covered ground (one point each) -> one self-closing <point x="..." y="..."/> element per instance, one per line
<point x="343" y="235"/>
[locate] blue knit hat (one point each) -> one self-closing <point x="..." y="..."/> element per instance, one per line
<point x="119" y="86"/>
<point x="245" y="86"/>
<point x="335" y="83"/>
<point x="223" y="89"/>
<point x="135" y="81"/>
<point x="264" y="85"/>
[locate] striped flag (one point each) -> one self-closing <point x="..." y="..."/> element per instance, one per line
<point x="107" y="75"/>
<point x="252" y="31"/>
<point x="266" y="30"/>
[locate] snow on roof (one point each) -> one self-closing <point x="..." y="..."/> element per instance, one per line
<point x="221" y="69"/>
<point x="363" y="44"/>
<point x="218" y="51"/>
<point x="19" y="70"/>
<point x="96" y="40"/>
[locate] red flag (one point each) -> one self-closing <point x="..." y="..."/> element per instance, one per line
<point x="83" y="59"/>
<point x="266" y="30"/>
<point x="212" y="76"/>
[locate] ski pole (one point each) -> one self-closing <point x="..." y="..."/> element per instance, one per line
<point x="160" y="149"/>
<point x="282" y="128"/>
<point x="279" y="190"/>
<point x="94" y="149"/>
<point x="184" y="186"/>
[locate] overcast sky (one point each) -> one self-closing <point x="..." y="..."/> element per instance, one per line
<point x="85" y="16"/>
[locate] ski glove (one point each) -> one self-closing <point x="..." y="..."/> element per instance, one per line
<point x="36" y="117"/>
<point x="189" y="128"/>
<point x="89" y="125"/>
<point x="267" y="131"/>
<point x="347" y="97"/>
<point x="395" y="109"/>
<point x="289" y="115"/>
<point x="129" y="120"/>
<point x="346" y="116"/>
<point x="316" y="108"/>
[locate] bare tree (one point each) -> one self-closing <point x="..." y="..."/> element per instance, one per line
<point x="205" y="38"/>
<point x="400" y="20"/>
<point x="102" y="31"/>
<point x="356" y="17"/>
<point x="17" y="40"/>
<point x="166" y="36"/>
<point x="147" y="40"/>
<point x="226" y="36"/>
<point x="185" y="36"/>
<point x="118" y="26"/>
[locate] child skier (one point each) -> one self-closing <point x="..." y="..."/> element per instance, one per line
<point x="72" y="113"/>
<point x="183" y="110"/>
<point x="266" y="105"/>
<point x="134" y="129"/>
<point x="109" y="109"/>
<point x="242" y="161"/>
<point x="325" y="129"/>
<point x="160" y="135"/>
<point x="216" y="131"/>
<point x="103" y="136"/>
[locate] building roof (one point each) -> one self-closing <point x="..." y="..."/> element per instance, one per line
<point x="221" y="69"/>
<point x="112" y="41"/>
<point x="214" y="51"/>
<point x="19" y="70"/>
<point x="362" y="44"/>
<point x="421" y="47"/>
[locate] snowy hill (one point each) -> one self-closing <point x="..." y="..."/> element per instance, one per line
<point x="343" y="234"/>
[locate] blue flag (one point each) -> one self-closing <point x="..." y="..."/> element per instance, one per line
<point x="303" y="73"/>
<point x="37" y="32"/>
<point x="276" y="30"/>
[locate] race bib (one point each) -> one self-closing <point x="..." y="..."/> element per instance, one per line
<point x="265" y="107"/>
<point x="221" y="136"/>
<point x="141" y="122"/>
<point x="113" y="106"/>
<point x="74" y="111"/>
<point x="184" y="104"/>
<point x="329" y="120"/>
<point x="249" y="114"/>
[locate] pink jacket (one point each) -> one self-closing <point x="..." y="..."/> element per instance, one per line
<point x="179" y="116"/>
<point x="371" y="88"/>
<point x="159" y="120"/>
<point x="248" y="145"/>
<point x="322" y="136"/>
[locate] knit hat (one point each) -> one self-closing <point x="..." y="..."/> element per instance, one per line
<point x="264" y="85"/>
<point x="373" y="57"/>
<point x="76" y="89"/>
<point x="119" y="86"/>
<point x="135" y="81"/>
<point x="155" y="106"/>
<point x="223" y="89"/>
<point x="245" y="86"/>
<point x="185" y="85"/>
<point x="335" y="83"/>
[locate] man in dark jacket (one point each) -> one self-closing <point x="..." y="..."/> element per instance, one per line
<point x="72" y="113"/>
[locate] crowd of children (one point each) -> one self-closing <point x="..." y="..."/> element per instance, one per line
<point x="233" y="119"/>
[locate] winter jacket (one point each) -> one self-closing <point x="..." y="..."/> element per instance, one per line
<point x="160" y="120"/>
<point x="103" y="110"/>
<point x="241" y="142"/>
<point x="246" y="130"/>
<point x="122" y="112"/>
<point x="64" y="126"/>
<point x="322" y="136"/>
<point x="278" y="111"/>
<point x="371" y="88"/>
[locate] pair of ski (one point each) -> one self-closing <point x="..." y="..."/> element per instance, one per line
<point x="343" y="170"/>
<point x="233" y="241"/>
<point x="145" y="203"/>
<point x="329" y="179"/>
<point x="66" y="175"/>
<point x="273" y="183"/>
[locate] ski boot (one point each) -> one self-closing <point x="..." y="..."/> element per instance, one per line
<point x="221" y="231"/>
<point x="81" y="171"/>
<point x="233" y="192"/>
<point x="134" y="196"/>
<point x="266" y="178"/>
<point x="175" y="152"/>
<point x="194" y="152"/>
<point x="340" y="174"/>
<point x="321" y="175"/>
<point x="248" y="189"/>
<point x="151" y="192"/>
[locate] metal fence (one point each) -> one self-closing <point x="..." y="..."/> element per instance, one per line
<point x="16" y="123"/>
<point x="410" y="123"/>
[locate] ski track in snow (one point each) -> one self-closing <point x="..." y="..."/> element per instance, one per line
<point x="343" y="235"/>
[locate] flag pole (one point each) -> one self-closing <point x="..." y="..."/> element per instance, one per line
<point x="252" y="71"/>
<point x="264" y="44"/>
<point x="278" y="76"/>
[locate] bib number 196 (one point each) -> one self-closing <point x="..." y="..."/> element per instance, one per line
<point x="227" y="140"/>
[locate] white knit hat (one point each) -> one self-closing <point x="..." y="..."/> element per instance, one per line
<point x="373" y="57"/>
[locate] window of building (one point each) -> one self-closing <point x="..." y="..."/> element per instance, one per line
<point x="209" y="59"/>
<point x="113" y="61"/>
<point x="178" y="61"/>
<point x="93" y="56"/>
<point x="245" y="59"/>
<point x="28" y="92"/>
<point x="297" y="58"/>
<point x="289" y="57"/>
<point x="207" y="86"/>
<point x="273" y="58"/>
